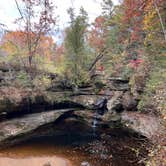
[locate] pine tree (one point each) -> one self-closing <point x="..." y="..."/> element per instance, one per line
<point x="75" y="45"/>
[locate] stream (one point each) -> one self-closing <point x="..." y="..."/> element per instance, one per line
<point x="113" y="147"/>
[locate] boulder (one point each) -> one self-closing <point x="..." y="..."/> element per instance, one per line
<point x="88" y="101"/>
<point x="144" y="124"/>
<point x="85" y="163"/>
<point x="115" y="104"/>
<point x="129" y="103"/>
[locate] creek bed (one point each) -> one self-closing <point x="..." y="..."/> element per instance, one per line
<point x="113" y="147"/>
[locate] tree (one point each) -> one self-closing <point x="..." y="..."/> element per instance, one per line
<point x="38" y="20"/>
<point x="160" y="18"/>
<point x="131" y="30"/>
<point x="98" y="34"/>
<point x="14" y="44"/>
<point x="154" y="26"/>
<point x="75" y="45"/>
<point x="108" y="8"/>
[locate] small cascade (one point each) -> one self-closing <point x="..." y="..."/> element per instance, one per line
<point x="95" y="123"/>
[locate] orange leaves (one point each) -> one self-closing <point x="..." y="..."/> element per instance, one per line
<point x="45" y="46"/>
<point x="16" y="37"/>
<point x="17" y="41"/>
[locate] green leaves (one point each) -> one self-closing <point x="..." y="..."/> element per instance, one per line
<point x="75" y="42"/>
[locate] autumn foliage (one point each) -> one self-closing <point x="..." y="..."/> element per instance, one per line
<point x="97" y="34"/>
<point x="15" y="42"/>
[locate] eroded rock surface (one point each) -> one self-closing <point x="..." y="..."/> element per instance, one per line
<point x="144" y="124"/>
<point x="21" y="126"/>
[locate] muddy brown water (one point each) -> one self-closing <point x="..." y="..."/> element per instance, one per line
<point x="112" y="148"/>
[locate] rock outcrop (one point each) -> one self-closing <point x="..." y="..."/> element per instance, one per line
<point x="27" y="113"/>
<point x="144" y="124"/>
<point x="14" y="130"/>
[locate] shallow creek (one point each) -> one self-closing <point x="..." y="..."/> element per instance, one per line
<point x="113" y="147"/>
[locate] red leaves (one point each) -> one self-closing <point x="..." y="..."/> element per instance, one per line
<point x="133" y="21"/>
<point x="96" y="38"/>
<point x="133" y="8"/>
<point x="135" y="63"/>
<point x="100" y="68"/>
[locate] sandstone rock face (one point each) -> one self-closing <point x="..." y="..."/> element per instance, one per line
<point x="51" y="123"/>
<point x="87" y="101"/>
<point x="137" y="83"/>
<point x="146" y="125"/>
<point x="20" y="101"/>
<point x="73" y="121"/>
<point x="72" y="112"/>
<point x="11" y="129"/>
<point x="118" y="84"/>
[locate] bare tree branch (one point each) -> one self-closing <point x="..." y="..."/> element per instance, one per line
<point x="98" y="57"/>
<point x="19" y="10"/>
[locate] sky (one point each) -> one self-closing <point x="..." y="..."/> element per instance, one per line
<point x="9" y="12"/>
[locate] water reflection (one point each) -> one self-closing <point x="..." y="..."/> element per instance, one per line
<point x="112" y="148"/>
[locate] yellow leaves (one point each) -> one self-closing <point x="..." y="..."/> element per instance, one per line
<point x="148" y="25"/>
<point x="152" y="24"/>
<point x="148" y="20"/>
<point x="9" y="47"/>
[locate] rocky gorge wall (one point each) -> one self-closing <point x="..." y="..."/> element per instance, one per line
<point x="24" y="111"/>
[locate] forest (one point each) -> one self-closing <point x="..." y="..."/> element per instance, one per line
<point x="92" y="93"/>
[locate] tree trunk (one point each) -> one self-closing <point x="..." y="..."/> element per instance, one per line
<point x="161" y="21"/>
<point x="98" y="57"/>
